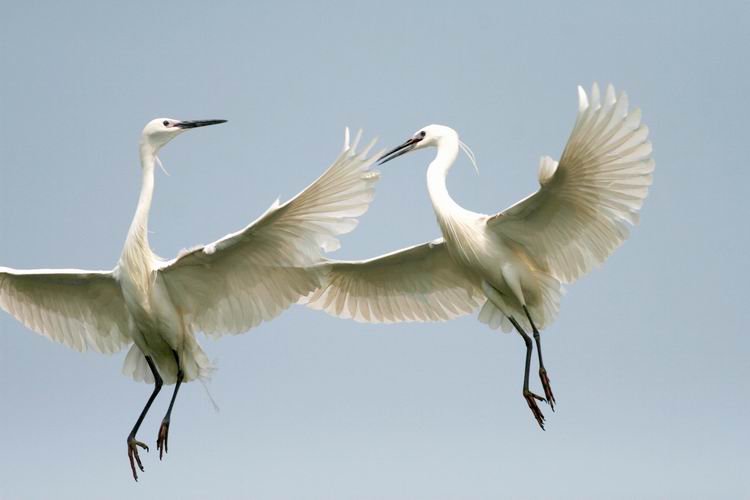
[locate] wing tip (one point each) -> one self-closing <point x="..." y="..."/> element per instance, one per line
<point x="583" y="101"/>
<point x="547" y="169"/>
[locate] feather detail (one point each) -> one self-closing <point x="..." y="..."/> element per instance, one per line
<point x="582" y="211"/>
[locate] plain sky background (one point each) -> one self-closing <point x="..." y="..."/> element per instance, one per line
<point x="648" y="358"/>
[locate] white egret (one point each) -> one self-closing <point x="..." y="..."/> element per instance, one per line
<point x="228" y="286"/>
<point x="513" y="263"/>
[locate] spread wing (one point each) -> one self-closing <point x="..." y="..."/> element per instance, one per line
<point x="244" y="278"/>
<point x="77" y="308"/>
<point x="586" y="203"/>
<point x="419" y="283"/>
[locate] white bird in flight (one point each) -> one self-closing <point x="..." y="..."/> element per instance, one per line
<point x="513" y="263"/>
<point x="228" y="286"/>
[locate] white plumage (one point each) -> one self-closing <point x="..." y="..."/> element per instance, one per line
<point x="228" y="286"/>
<point x="582" y="210"/>
<point x="81" y="309"/>
<point x="419" y="283"/>
<point x="250" y="276"/>
<point x="512" y="263"/>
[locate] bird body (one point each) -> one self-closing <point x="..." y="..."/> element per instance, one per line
<point x="157" y="327"/>
<point x="482" y="254"/>
<point x="577" y="218"/>
<point x="511" y="264"/>
<point x="228" y="286"/>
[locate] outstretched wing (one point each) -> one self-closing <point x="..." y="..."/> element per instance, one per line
<point x="77" y="308"/>
<point x="586" y="203"/>
<point x="244" y="278"/>
<point x="419" y="283"/>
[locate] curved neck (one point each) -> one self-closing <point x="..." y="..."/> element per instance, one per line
<point x="447" y="151"/>
<point x="138" y="233"/>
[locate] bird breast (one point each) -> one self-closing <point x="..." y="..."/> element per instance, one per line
<point x="136" y="275"/>
<point x="465" y="239"/>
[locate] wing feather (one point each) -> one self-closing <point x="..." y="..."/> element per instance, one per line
<point x="419" y="283"/>
<point x="254" y="274"/>
<point x="80" y="309"/>
<point x="585" y="204"/>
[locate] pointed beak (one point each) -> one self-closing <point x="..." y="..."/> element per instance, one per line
<point x="400" y="150"/>
<point x="197" y="123"/>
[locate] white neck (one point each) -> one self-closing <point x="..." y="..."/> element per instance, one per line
<point x="447" y="151"/>
<point x="457" y="224"/>
<point x="136" y="244"/>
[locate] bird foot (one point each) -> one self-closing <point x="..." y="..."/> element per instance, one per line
<point x="133" y="455"/>
<point x="161" y="441"/>
<point x="531" y="400"/>
<point x="547" y="388"/>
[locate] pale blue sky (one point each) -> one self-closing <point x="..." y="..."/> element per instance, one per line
<point x="648" y="358"/>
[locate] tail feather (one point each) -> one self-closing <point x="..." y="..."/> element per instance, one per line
<point x="136" y="367"/>
<point x="494" y="317"/>
<point x="543" y="309"/>
<point x="194" y="363"/>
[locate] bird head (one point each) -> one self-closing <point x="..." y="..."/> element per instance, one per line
<point x="160" y="131"/>
<point x="431" y="135"/>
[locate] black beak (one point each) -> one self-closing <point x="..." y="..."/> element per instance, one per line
<point x="197" y="123"/>
<point x="399" y="150"/>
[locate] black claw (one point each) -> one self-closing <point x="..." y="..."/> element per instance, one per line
<point x="531" y="399"/>
<point x="134" y="457"/>
<point x="547" y="388"/>
<point x="163" y="439"/>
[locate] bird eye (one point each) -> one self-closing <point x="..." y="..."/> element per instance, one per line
<point x="422" y="134"/>
<point x="166" y="123"/>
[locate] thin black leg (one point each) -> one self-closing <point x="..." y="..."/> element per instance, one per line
<point x="133" y="444"/>
<point x="542" y="371"/>
<point x="530" y="397"/>
<point x="161" y="442"/>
